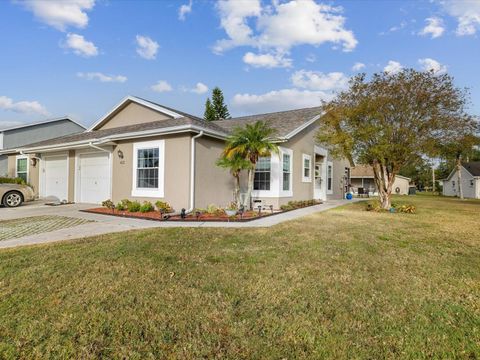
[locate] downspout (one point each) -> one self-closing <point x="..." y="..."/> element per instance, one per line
<point x="192" y="173"/>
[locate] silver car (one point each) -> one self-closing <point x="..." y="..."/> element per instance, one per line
<point x="13" y="195"/>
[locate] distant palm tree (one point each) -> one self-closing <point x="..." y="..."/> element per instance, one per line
<point x="250" y="143"/>
<point x="236" y="164"/>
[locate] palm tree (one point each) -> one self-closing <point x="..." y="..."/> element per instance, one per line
<point x="236" y="164"/>
<point x="250" y="143"/>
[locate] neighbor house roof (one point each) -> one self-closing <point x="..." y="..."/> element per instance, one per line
<point x="286" y="123"/>
<point x="48" y="121"/>
<point x="472" y="167"/>
<point x="366" y="171"/>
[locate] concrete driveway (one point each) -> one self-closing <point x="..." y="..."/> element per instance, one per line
<point x="82" y="224"/>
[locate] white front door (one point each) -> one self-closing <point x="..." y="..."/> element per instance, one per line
<point x="93" y="177"/>
<point x="55" y="178"/>
<point x="318" y="191"/>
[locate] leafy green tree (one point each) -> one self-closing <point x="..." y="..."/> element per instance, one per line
<point x="235" y="164"/>
<point x="209" y="113"/>
<point x="392" y="120"/>
<point x="250" y="143"/>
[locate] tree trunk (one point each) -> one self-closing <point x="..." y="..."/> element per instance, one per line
<point x="236" y="191"/>
<point x="248" y="198"/>
<point x="384" y="182"/>
<point x="459" y="175"/>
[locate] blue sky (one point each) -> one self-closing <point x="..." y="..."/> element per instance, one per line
<point x="81" y="57"/>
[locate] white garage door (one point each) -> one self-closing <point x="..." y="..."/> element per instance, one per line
<point x="55" y="177"/>
<point x="94" y="178"/>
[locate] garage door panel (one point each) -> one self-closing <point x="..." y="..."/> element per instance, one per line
<point x="94" y="177"/>
<point x="55" y="177"/>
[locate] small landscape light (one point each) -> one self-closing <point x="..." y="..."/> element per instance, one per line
<point x="183" y="214"/>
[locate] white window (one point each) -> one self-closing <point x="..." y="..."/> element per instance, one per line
<point x="286" y="172"/>
<point x="148" y="168"/>
<point x="21" y="168"/>
<point x="329" y="177"/>
<point x="263" y="173"/>
<point x="307" y="168"/>
<point x="273" y="175"/>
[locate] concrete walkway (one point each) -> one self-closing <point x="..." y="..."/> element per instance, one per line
<point x="104" y="224"/>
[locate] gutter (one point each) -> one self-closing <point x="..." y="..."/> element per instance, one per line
<point x="192" y="172"/>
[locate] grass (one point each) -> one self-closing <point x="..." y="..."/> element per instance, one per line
<point x="341" y="284"/>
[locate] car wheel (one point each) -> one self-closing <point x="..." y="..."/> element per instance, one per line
<point x="12" y="199"/>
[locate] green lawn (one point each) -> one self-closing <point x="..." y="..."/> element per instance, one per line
<point x="341" y="284"/>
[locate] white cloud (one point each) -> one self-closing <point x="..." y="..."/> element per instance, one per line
<point x="266" y="60"/>
<point x="282" y="26"/>
<point x="429" y="64"/>
<point x="184" y="10"/>
<point x="147" y="48"/>
<point x="278" y="100"/>
<point x="358" y="66"/>
<point x="319" y="81"/>
<point x="161" y="86"/>
<point x="25" y="107"/>
<point x="467" y="13"/>
<point x="393" y="67"/>
<point x="102" y="77"/>
<point x="59" y="13"/>
<point x="435" y="27"/>
<point x="80" y="46"/>
<point x="200" y="88"/>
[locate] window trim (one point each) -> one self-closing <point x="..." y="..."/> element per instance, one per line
<point x="289" y="192"/>
<point x="329" y="166"/>
<point x="149" y="192"/>
<point x="306" y="179"/>
<point x="20" y="157"/>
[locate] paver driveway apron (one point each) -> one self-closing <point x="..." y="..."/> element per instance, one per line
<point x="16" y="228"/>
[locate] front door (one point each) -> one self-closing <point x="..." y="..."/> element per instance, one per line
<point x="317" y="193"/>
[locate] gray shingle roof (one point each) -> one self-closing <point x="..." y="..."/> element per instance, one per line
<point x="472" y="167"/>
<point x="284" y="121"/>
<point x="98" y="134"/>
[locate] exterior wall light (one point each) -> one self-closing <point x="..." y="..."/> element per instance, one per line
<point x="120" y="154"/>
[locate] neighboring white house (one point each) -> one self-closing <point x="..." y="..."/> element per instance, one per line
<point x="470" y="181"/>
<point x="361" y="177"/>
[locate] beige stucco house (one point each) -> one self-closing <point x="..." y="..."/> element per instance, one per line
<point x="362" y="178"/>
<point x="470" y="181"/>
<point x="145" y="151"/>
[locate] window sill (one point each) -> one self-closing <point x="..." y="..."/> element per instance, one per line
<point x="154" y="193"/>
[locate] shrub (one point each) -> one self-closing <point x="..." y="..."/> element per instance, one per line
<point x="214" y="210"/>
<point x="407" y="209"/>
<point x="133" y="206"/>
<point x="108" y="204"/>
<point x="164" y="207"/>
<point x="120" y="206"/>
<point x="8" y="180"/>
<point x="374" y="205"/>
<point x="146" y="207"/>
<point x="292" y="205"/>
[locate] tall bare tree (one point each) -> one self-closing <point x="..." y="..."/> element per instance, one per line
<point x="391" y="120"/>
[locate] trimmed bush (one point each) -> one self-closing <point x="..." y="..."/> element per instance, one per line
<point x="8" y="180"/>
<point x="108" y="204"/>
<point x="164" y="207"/>
<point x="133" y="206"/>
<point x="146" y="207"/>
<point x="292" y="205"/>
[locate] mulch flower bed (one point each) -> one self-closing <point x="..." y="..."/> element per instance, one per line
<point x="221" y="217"/>
<point x="157" y="216"/>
